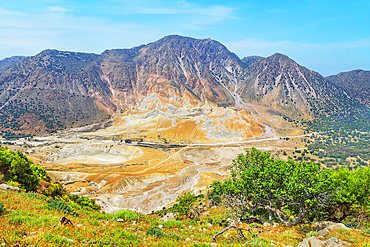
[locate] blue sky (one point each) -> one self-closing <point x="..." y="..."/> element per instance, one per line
<point x="323" y="35"/>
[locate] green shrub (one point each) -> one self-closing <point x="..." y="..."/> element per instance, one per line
<point x="155" y="231"/>
<point x="172" y="224"/>
<point x="18" y="168"/>
<point x="353" y="196"/>
<point x="56" y="189"/>
<point x="2" y="209"/>
<point x="173" y="236"/>
<point x="258" y="180"/>
<point x="40" y="173"/>
<point x="36" y="195"/>
<point x="127" y="215"/>
<point x="14" y="184"/>
<point x="201" y="245"/>
<point x="61" y="206"/>
<point x="88" y="203"/>
<point x="311" y="234"/>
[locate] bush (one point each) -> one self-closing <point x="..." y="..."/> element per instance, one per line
<point x="14" y="184"/>
<point x="173" y="236"/>
<point x="127" y="215"/>
<point x="283" y="188"/>
<point x="155" y="231"/>
<point x="17" y="167"/>
<point x="56" y="189"/>
<point x="172" y="224"/>
<point x="353" y="196"/>
<point x="61" y="206"/>
<point x="79" y="200"/>
<point x="188" y="205"/>
<point x="2" y="209"/>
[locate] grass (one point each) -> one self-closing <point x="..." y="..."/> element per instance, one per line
<point x="28" y="221"/>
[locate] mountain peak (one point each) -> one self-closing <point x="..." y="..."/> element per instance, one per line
<point x="280" y="56"/>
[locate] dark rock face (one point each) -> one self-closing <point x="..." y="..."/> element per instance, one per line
<point x="56" y="89"/>
<point x="356" y="83"/>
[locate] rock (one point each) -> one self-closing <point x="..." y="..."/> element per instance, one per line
<point x="315" y="242"/>
<point x="335" y="226"/>
<point x="161" y="226"/>
<point x="168" y="216"/>
<point x="8" y="187"/>
<point x="336" y="242"/>
<point x="231" y="222"/>
<point x="68" y="239"/>
<point x="323" y="233"/>
<point x="209" y="225"/>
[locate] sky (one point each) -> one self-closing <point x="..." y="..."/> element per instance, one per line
<point x="327" y="36"/>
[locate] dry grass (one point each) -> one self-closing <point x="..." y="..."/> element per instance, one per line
<point x="29" y="222"/>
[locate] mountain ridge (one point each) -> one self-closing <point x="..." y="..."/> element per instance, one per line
<point x="61" y="89"/>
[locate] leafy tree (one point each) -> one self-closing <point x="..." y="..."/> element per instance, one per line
<point x="353" y="196"/>
<point x="288" y="190"/>
<point x="15" y="166"/>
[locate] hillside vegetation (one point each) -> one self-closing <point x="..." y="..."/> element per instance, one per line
<point x="291" y="196"/>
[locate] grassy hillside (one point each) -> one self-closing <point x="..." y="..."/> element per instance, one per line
<point x="28" y="221"/>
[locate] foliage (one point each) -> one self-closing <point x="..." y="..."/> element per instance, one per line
<point x="40" y="173"/>
<point x="61" y="206"/>
<point x="312" y="234"/>
<point x="81" y="201"/>
<point x="288" y="190"/>
<point x="56" y="189"/>
<point x="173" y="236"/>
<point x="30" y="217"/>
<point x="188" y="206"/>
<point x="173" y="224"/>
<point x="2" y="209"/>
<point x="127" y="215"/>
<point x="353" y="197"/>
<point x="17" y="167"/>
<point x="155" y="231"/>
<point x="14" y="184"/>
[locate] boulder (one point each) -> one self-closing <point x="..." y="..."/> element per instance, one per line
<point x="322" y="233"/>
<point x="315" y="242"/>
<point x="8" y="187"/>
<point x="168" y="216"/>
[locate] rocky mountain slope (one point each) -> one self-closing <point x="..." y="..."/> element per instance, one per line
<point x="356" y="83"/>
<point x="7" y="62"/>
<point x="56" y="89"/>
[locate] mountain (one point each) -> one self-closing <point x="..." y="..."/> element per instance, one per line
<point x="287" y="87"/>
<point x="251" y="59"/>
<point x="356" y="83"/>
<point x="179" y="79"/>
<point x="7" y="62"/>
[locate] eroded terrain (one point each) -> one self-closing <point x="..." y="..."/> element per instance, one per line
<point x="144" y="161"/>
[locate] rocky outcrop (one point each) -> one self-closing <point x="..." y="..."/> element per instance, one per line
<point x="9" y="187"/>
<point x="315" y="242"/>
<point x="331" y="242"/>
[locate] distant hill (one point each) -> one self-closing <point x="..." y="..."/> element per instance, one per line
<point x="58" y="89"/>
<point x="356" y="83"/>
